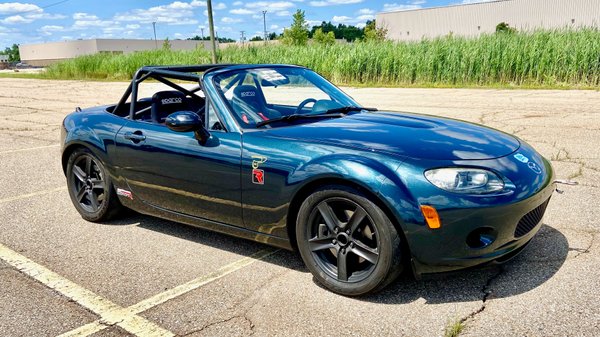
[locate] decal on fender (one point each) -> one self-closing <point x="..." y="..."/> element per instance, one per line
<point x="258" y="175"/>
<point x="125" y="193"/>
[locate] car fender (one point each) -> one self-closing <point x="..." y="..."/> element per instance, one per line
<point x="375" y="175"/>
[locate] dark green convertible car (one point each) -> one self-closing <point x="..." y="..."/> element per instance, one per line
<point x="277" y="154"/>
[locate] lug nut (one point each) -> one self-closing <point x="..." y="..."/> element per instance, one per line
<point x="334" y="241"/>
<point x="336" y="230"/>
<point x="348" y="232"/>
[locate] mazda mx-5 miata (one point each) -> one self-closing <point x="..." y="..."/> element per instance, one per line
<point x="279" y="155"/>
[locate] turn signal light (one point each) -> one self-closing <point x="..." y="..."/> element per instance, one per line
<point x="431" y="217"/>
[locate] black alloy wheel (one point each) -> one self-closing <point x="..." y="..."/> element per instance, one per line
<point x="347" y="241"/>
<point x="90" y="187"/>
<point x="344" y="241"/>
<point x="88" y="182"/>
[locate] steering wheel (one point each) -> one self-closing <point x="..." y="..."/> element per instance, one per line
<point x="303" y="103"/>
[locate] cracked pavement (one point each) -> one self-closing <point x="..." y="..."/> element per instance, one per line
<point x="549" y="289"/>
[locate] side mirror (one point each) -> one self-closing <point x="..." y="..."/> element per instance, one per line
<point x="186" y="121"/>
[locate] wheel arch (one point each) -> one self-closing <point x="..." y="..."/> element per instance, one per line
<point x="313" y="185"/>
<point x="70" y="148"/>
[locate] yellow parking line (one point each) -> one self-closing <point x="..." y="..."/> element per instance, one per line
<point x="29" y="149"/>
<point x="34" y="194"/>
<point x="109" y="312"/>
<point x="130" y="314"/>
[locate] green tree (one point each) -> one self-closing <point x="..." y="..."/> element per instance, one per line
<point x="256" y="38"/>
<point x="166" y="44"/>
<point x="504" y="27"/>
<point x="372" y="33"/>
<point x="12" y="52"/>
<point x="324" y="38"/>
<point x="297" y="34"/>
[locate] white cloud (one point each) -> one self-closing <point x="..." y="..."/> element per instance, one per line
<point x="341" y="19"/>
<point x="391" y="7"/>
<point x="197" y="3"/>
<point x="238" y="3"/>
<point x="365" y="17"/>
<point x="219" y="6"/>
<point x="241" y="11"/>
<point x="16" y="19"/>
<point x="17" y="7"/>
<point x="272" y="5"/>
<point x="227" y="19"/>
<point x="133" y="26"/>
<point x="50" y="29"/>
<point x="333" y="2"/>
<point x="283" y="13"/>
<point x="175" y="13"/>
<point x="84" y="16"/>
<point x="85" y="24"/>
<point x="365" y="11"/>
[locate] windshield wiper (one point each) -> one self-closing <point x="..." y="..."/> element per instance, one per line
<point x="294" y="117"/>
<point x="347" y="109"/>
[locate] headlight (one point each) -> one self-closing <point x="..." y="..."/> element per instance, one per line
<point x="465" y="180"/>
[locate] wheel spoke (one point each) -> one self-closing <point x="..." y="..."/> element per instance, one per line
<point x="342" y="265"/>
<point x="329" y="216"/>
<point x="88" y="166"/>
<point x="356" y="219"/>
<point x="81" y="176"/>
<point x="93" y="200"/>
<point x="367" y="253"/>
<point x="81" y="194"/>
<point x="97" y="184"/>
<point x="317" y="244"/>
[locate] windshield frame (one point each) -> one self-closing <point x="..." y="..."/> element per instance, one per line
<point x="325" y="86"/>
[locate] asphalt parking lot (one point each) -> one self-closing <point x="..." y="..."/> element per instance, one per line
<point x="144" y="276"/>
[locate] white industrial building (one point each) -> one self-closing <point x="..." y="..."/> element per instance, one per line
<point x="43" y="54"/>
<point x="474" y="19"/>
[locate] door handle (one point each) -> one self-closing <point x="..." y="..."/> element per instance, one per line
<point x="135" y="137"/>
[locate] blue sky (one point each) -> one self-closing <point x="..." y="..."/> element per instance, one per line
<point x="57" y="20"/>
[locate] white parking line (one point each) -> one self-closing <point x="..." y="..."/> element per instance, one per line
<point x="109" y="312"/>
<point x="34" y="194"/>
<point x="29" y="149"/>
<point x="129" y="315"/>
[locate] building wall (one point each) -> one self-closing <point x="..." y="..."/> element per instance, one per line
<point x="475" y="19"/>
<point x="43" y="54"/>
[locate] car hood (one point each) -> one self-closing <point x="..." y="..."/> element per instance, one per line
<point x="409" y="135"/>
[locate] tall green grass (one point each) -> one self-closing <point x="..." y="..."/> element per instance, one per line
<point x="540" y="58"/>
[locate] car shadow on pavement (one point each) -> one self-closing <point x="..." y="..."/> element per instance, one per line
<point x="212" y="239"/>
<point x="538" y="262"/>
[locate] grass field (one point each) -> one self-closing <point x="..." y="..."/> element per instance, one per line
<point x="560" y="58"/>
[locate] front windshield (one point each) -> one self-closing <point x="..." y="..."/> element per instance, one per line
<point x="262" y="94"/>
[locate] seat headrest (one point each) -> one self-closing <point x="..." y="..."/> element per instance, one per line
<point x="246" y="93"/>
<point x="167" y="98"/>
<point x="166" y="102"/>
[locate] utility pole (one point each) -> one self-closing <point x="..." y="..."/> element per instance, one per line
<point x="265" y="25"/>
<point x="154" y="28"/>
<point x="202" y="30"/>
<point x="242" y="38"/>
<point x="211" y="26"/>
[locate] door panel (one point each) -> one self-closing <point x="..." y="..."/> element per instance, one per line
<point x="174" y="171"/>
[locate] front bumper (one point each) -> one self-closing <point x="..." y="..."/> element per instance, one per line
<point x="448" y="248"/>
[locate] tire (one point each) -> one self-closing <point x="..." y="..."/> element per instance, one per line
<point x="90" y="187"/>
<point x="347" y="242"/>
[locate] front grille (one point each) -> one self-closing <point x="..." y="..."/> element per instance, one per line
<point x="530" y="220"/>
